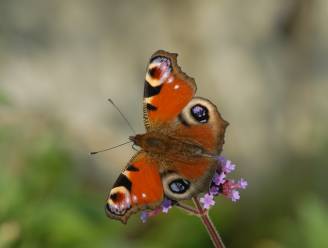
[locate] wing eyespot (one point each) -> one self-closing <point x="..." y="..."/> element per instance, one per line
<point x="176" y="187"/>
<point x="179" y="186"/>
<point x="200" y="113"/>
<point x="161" y="60"/>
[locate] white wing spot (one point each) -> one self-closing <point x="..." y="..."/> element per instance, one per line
<point x="164" y="77"/>
<point x="143" y="195"/>
<point x="170" y="80"/>
<point x="176" y="86"/>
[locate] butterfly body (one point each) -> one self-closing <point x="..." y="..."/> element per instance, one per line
<point x="178" y="152"/>
<point x="166" y="147"/>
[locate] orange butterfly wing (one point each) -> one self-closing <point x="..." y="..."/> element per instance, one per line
<point x="138" y="187"/>
<point x="167" y="90"/>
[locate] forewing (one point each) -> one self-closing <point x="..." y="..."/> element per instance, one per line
<point x="167" y="90"/>
<point x="138" y="187"/>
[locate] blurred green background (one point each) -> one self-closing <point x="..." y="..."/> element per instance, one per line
<point x="263" y="62"/>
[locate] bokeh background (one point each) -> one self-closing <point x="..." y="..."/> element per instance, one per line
<point x="263" y="62"/>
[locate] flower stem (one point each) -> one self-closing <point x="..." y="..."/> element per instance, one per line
<point x="213" y="233"/>
<point x="188" y="209"/>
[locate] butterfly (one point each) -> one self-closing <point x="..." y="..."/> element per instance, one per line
<point x="177" y="157"/>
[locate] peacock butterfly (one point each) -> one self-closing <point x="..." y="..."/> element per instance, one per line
<point x="184" y="135"/>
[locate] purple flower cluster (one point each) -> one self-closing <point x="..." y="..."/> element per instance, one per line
<point x="220" y="185"/>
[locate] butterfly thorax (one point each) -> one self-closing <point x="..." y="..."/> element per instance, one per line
<point x="160" y="144"/>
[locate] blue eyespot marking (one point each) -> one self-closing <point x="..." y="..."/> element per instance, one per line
<point x="200" y="113"/>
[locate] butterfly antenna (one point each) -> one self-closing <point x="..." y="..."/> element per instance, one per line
<point x="93" y="153"/>
<point x="117" y="108"/>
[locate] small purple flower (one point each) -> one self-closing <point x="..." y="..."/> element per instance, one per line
<point x="144" y="216"/>
<point x="219" y="178"/>
<point x="221" y="159"/>
<point x="230" y="189"/>
<point x="166" y="205"/>
<point x="234" y="195"/>
<point x="214" y="190"/>
<point x="207" y="201"/>
<point x="243" y="183"/>
<point x="228" y="167"/>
